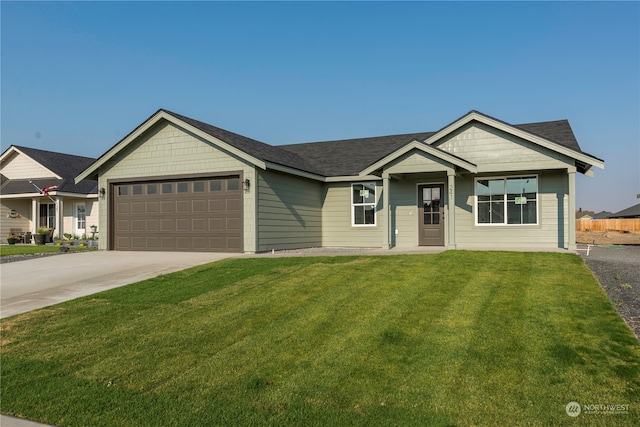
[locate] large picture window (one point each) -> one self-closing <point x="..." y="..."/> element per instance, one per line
<point x="363" y="204"/>
<point x="509" y="200"/>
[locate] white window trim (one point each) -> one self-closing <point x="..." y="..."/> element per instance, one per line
<point x="375" y="213"/>
<point x="505" y="224"/>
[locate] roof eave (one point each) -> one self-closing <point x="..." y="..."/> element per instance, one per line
<point x="442" y="155"/>
<point x="498" y="124"/>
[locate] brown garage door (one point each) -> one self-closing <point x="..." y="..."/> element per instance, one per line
<point x="203" y="214"/>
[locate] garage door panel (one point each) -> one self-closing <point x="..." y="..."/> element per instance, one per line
<point x="152" y="225"/>
<point x="198" y="206"/>
<point x="199" y="225"/>
<point x="123" y="226"/>
<point x="183" y="225"/>
<point x="137" y="243"/>
<point x="216" y="205"/>
<point x="137" y="208"/>
<point x="167" y="225"/>
<point x="152" y="207"/>
<point x="233" y="224"/>
<point x="167" y="207"/>
<point x="233" y="205"/>
<point x="137" y="225"/>
<point x="216" y="224"/>
<point x="183" y="206"/>
<point x="152" y="243"/>
<point x="188" y="215"/>
<point x="122" y="208"/>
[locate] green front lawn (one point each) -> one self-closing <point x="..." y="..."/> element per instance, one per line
<point x="457" y="338"/>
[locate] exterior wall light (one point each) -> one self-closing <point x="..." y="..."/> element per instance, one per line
<point x="246" y="184"/>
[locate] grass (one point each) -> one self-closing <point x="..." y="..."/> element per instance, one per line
<point x="457" y="338"/>
<point x="7" y="250"/>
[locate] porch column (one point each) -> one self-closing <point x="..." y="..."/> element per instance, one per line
<point x="572" y="209"/>
<point x="386" y="220"/>
<point x="451" y="208"/>
<point x="59" y="217"/>
<point x="34" y="215"/>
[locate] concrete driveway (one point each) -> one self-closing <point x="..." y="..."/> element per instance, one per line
<point x="40" y="282"/>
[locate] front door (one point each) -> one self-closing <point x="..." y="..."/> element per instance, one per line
<point x="81" y="220"/>
<point x="431" y="215"/>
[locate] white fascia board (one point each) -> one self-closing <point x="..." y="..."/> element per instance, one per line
<point x="516" y="132"/>
<point x="160" y="115"/>
<point x="349" y="178"/>
<point x="20" y="196"/>
<point x="14" y="149"/>
<point x="352" y="178"/>
<point x="293" y="171"/>
<point x="76" y="195"/>
<point x="424" y="148"/>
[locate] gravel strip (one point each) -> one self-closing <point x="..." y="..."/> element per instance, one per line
<point x="14" y="258"/>
<point x="617" y="268"/>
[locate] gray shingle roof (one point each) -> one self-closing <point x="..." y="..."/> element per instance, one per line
<point x="66" y="166"/>
<point x="351" y="156"/>
<point x="630" y="212"/>
<point x="254" y="148"/>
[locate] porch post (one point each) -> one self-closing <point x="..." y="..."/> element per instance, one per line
<point x="451" y="208"/>
<point x="386" y="220"/>
<point x="59" y="216"/>
<point x="34" y="215"/>
<point x="572" y="209"/>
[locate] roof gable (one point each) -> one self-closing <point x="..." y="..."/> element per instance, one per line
<point x="56" y="169"/>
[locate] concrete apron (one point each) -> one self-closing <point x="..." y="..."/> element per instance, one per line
<point x="41" y="282"/>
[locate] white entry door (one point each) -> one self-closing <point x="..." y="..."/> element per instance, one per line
<point x="80" y="218"/>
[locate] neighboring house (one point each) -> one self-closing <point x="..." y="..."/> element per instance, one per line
<point x="175" y="183"/>
<point x="603" y="215"/>
<point x="580" y="214"/>
<point x="67" y="208"/>
<point x="631" y="212"/>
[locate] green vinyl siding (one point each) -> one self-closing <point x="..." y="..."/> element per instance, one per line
<point x="168" y="150"/>
<point x="337" y="226"/>
<point x="551" y="230"/>
<point x="493" y="150"/>
<point x="289" y="213"/>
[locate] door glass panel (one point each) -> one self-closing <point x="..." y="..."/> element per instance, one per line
<point x="198" y="186"/>
<point x="427" y="219"/>
<point x="435" y="195"/>
<point x="436" y="218"/>
<point x="233" y="184"/>
<point x="151" y="189"/>
<point x="426" y="194"/>
<point x="167" y="188"/>
<point x="183" y="187"/>
<point x="136" y="190"/>
<point x="435" y="205"/>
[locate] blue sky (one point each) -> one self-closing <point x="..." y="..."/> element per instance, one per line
<point x="78" y="76"/>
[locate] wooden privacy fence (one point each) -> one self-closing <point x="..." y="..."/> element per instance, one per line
<point x="621" y="224"/>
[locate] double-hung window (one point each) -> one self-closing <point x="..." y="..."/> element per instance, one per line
<point x="508" y="200"/>
<point x="363" y="204"/>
